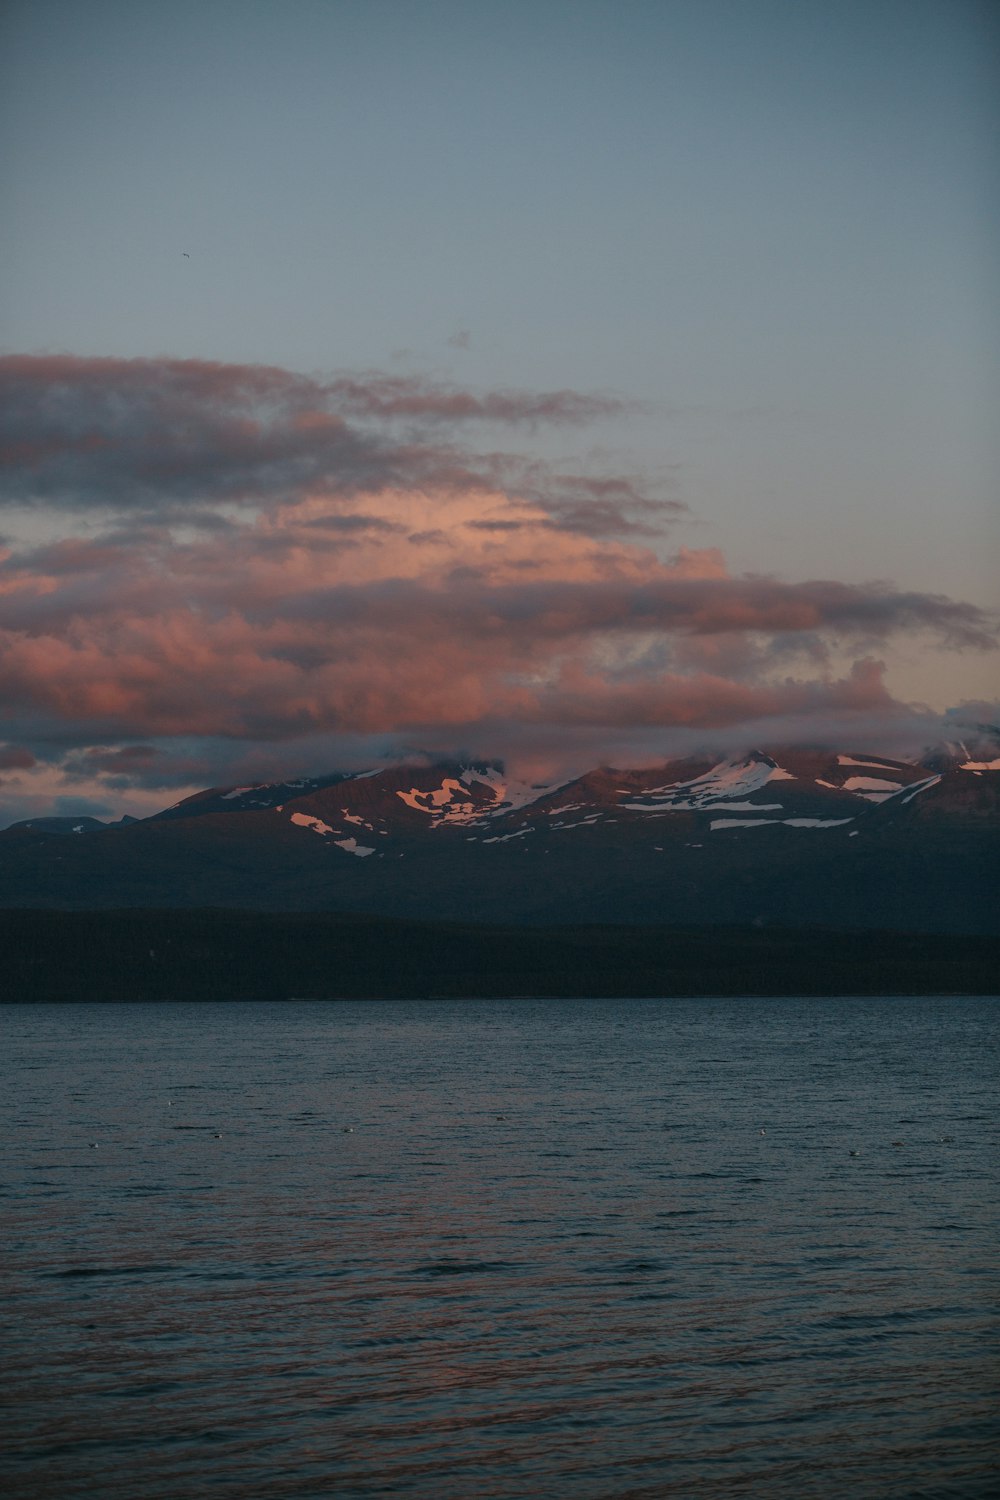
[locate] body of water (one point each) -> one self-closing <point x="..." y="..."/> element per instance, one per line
<point x="501" y="1249"/>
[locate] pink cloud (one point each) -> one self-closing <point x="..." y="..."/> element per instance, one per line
<point x="262" y="632"/>
<point x="377" y="586"/>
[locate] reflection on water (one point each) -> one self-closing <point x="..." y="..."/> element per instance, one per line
<point x="615" y="1249"/>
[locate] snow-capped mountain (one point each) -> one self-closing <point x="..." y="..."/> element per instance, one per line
<point x="842" y="839"/>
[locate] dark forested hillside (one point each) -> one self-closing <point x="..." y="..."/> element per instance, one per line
<point x="230" y="955"/>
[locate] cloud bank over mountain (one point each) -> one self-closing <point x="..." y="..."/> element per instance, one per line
<point x="213" y="570"/>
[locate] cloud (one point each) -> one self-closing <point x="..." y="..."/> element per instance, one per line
<point x="602" y="507"/>
<point x="351" y="522"/>
<point x="85" y="432"/>
<point x="975" y="711"/>
<point x="141" y="433"/>
<point x="122" y="760"/>
<point x="398" y="624"/>
<point x="383" y="587"/>
<point x="391" y="396"/>
<point x="15" y="758"/>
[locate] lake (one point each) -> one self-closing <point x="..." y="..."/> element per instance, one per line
<point x="501" y="1249"/>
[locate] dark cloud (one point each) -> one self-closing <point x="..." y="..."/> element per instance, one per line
<point x="16" y="758"/>
<point x="389" y="396"/>
<point x="976" y="711"/>
<point x="556" y="610"/>
<point x="85" y="432"/>
<point x="122" y="760"/>
<point x="351" y="522"/>
<point x="501" y="526"/>
<point x="602" y="507"/>
<point x="148" y="433"/>
<point x="589" y="505"/>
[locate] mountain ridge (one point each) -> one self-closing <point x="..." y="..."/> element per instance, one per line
<point x="789" y="837"/>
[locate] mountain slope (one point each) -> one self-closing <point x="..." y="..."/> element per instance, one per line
<point x="790" y="838"/>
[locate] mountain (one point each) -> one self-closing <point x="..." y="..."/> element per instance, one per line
<point x="60" y="825"/>
<point x="789" y="838"/>
<point x="78" y="824"/>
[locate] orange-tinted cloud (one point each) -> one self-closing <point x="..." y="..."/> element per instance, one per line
<point x="297" y="622"/>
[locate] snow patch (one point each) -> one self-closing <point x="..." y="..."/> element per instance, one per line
<point x="353" y="847"/>
<point x="316" y="824"/>
<point x="918" y="786"/>
<point x="871" y="784"/>
<point x="872" y="788"/>
<point x="508" y="793"/>
<point x="815" y="822"/>
<point x="725" y="781"/>
<point x="981" y="765"/>
<point x="441" y="802"/>
<point x="449" y="803"/>
<point x="237" y="791"/>
<point x="742" y="822"/>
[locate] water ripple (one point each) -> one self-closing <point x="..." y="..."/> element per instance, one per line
<point x="512" y="1250"/>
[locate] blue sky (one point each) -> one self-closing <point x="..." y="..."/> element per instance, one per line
<point x="771" y="227"/>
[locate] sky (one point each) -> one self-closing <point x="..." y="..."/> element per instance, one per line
<point x="558" y="381"/>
